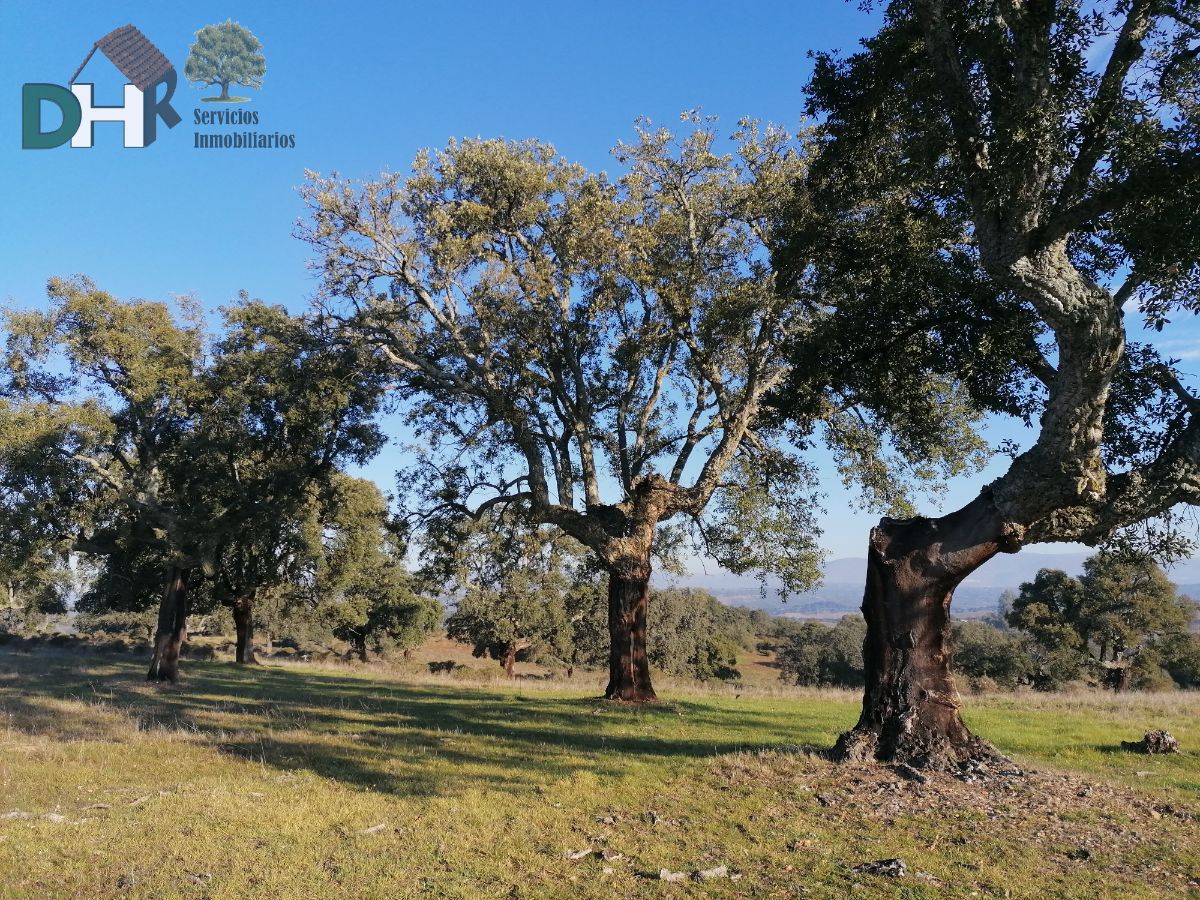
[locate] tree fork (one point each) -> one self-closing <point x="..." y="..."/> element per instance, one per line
<point x="910" y="704"/>
<point x="171" y="632"/>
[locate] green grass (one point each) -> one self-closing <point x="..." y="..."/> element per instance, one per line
<point x="294" y="782"/>
<point x="229" y="99"/>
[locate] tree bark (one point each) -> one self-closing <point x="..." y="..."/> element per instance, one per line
<point x="243" y="621"/>
<point x="172" y="627"/>
<point x="510" y="659"/>
<point x="628" y="603"/>
<point x="911" y="705"/>
<point x="224" y="91"/>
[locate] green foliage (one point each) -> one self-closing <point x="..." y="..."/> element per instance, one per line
<point x="225" y="54"/>
<point x="1122" y="612"/>
<point x="688" y="635"/>
<point x="511" y="585"/>
<point x="559" y="336"/>
<point x="983" y="651"/>
<point x="94" y="418"/>
<point x="130" y="434"/>
<point x="1181" y="659"/>
<point x="1036" y="172"/>
<point x="137" y="627"/>
<point x="359" y="580"/>
<point x="587" y="613"/>
<point x="32" y="589"/>
<point x="815" y="654"/>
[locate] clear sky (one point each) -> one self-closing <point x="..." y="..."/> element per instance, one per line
<point x="363" y="86"/>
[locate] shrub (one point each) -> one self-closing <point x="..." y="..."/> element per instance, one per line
<point x="817" y="655"/>
<point x="137" y="627"/>
<point x="983" y="651"/>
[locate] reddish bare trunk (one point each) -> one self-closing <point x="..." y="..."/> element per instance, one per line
<point x="172" y="627"/>
<point x="911" y="705"/>
<point x="510" y="659"/>
<point x="243" y="621"/>
<point x="629" y="666"/>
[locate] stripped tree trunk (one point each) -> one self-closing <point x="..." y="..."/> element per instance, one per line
<point x="172" y="627"/>
<point x="628" y="604"/>
<point x="510" y="658"/>
<point x="243" y="620"/>
<point x="911" y="705"/>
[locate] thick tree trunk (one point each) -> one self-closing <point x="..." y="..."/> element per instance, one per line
<point x="510" y="659"/>
<point x="224" y="91"/>
<point x="172" y="627"/>
<point x="911" y="705"/>
<point x="243" y="621"/>
<point x="628" y="603"/>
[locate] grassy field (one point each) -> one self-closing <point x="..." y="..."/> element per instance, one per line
<point x="283" y="781"/>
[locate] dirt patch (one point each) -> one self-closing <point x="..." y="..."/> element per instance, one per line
<point x="1068" y="821"/>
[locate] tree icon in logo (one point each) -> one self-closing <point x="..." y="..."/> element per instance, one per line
<point x="225" y="54"/>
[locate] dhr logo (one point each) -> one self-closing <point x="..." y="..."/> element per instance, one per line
<point x="138" y="60"/>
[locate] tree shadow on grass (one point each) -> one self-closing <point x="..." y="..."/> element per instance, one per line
<point x="382" y="735"/>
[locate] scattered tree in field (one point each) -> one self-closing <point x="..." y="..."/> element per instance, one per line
<point x="560" y="335"/>
<point x="512" y="583"/>
<point x="225" y="54"/>
<point x="33" y="573"/>
<point x="595" y="355"/>
<point x="289" y="407"/>
<point x="816" y="655"/>
<point x="110" y="428"/>
<point x="361" y="582"/>
<point x="31" y="590"/>
<point x="170" y="448"/>
<point x="1181" y="659"/>
<point x="1119" y="615"/>
<point x="1035" y="173"/>
<point x="690" y="636"/>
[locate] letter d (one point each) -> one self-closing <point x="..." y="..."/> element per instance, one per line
<point x="32" y="136"/>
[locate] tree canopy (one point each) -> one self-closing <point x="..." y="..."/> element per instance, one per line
<point x="157" y="444"/>
<point x="1021" y="159"/>
<point x="1122" y="613"/>
<point x="597" y="353"/>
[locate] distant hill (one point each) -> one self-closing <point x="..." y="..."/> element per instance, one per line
<point x="842" y="590"/>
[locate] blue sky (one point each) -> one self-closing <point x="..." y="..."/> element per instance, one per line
<point x="363" y="86"/>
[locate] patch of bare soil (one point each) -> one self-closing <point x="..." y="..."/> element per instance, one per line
<point x="1069" y="820"/>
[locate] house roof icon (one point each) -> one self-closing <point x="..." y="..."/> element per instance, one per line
<point x="131" y="52"/>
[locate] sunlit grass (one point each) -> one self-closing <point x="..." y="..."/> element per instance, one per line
<point x="324" y="782"/>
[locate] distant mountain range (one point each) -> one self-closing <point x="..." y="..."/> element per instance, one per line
<point x="842" y="589"/>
